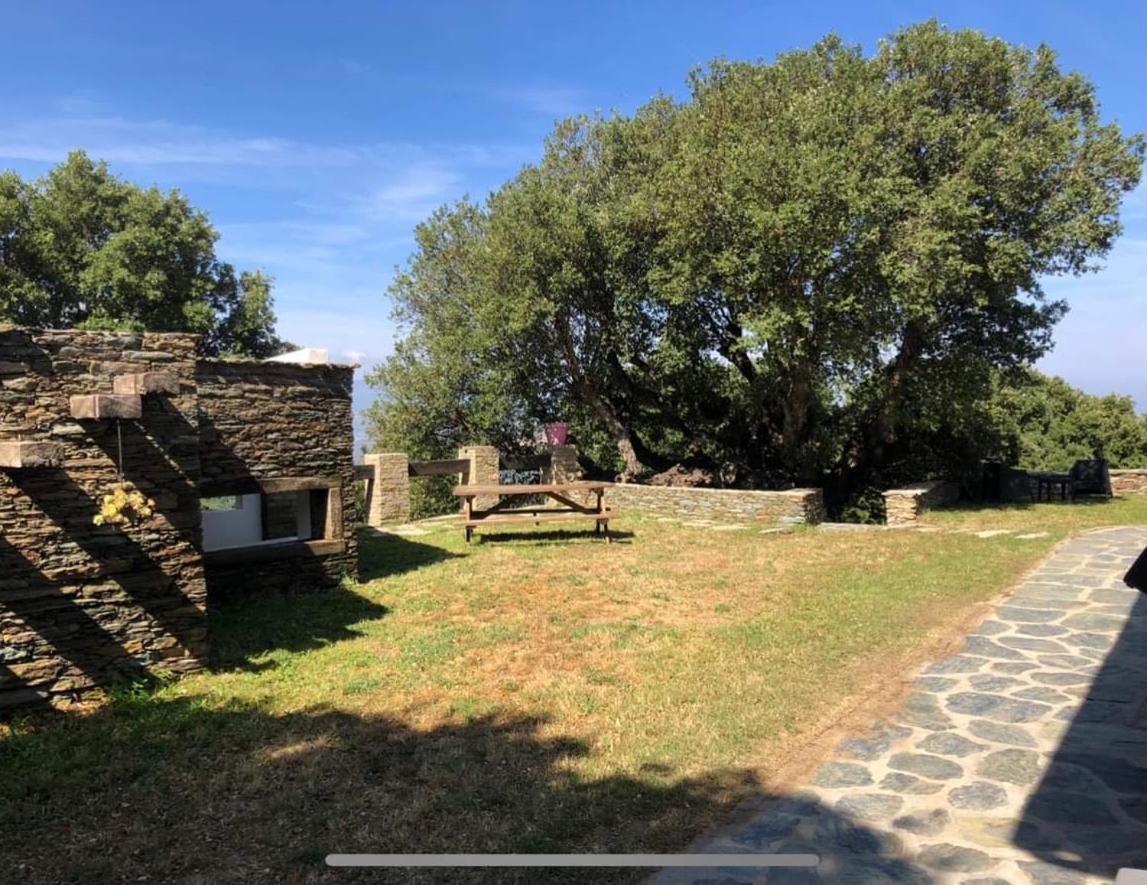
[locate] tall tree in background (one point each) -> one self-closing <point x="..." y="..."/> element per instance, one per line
<point x="810" y="271"/>
<point x="1043" y="422"/>
<point x="81" y="247"/>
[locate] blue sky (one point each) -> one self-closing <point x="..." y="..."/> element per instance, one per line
<point x="316" y="136"/>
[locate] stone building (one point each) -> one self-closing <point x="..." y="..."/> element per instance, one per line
<point x="250" y="468"/>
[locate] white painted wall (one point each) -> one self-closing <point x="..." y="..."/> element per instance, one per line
<point x="242" y="527"/>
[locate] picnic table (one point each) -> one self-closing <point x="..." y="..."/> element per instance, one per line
<point x="1047" y="482"/>
<point x="510" y="508"/>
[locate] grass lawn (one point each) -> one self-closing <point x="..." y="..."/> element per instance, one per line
<point x="540" y="692"/>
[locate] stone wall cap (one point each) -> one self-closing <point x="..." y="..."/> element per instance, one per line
<point x="800" y="492"/>
<point x="108" y="333"/>
<point x="917" y="488"/>
<point x="246" y="362"/>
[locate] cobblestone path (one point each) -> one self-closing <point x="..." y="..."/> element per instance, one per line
<point x="1023" y="758"/>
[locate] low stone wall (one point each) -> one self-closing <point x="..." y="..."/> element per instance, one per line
<point x="1129" y="482"/>
<point x="725" y="505"/>
<point x="387" y="476"/>
<point x="904" y="506"/>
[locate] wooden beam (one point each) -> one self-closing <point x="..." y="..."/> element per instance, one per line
<point x="299" y="483"/>
<point x="334" y="526"/>
<point x="250" y="485"/>
<point x="272" y="552"/>
<point x="439" y="468"/>
<point x="462" y="491"/>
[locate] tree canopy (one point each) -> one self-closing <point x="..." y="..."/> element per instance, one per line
<point x="81" y="247"/>
<point x="1043" y="422"/>
<point x="811" y="270"/>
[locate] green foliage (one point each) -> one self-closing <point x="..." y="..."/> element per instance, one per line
<point x="810" y="271"/>
<point x="83" y="248"/>
<point x="1044" y="422"/>
<point x="866" y="505"/>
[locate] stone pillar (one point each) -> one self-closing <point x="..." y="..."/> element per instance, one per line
<point x="563" y="464"/>
<point x="483" y="471"/>
<point x="388" y="495"/>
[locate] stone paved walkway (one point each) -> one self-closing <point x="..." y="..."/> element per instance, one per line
<point x="1023" y="758"/>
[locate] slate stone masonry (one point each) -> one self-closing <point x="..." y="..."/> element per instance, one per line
<point x="81" y="604"/>
<point x="273" y="422"/>
<point x="1128" y="482"/>
<point x="729" y="505"/>
<point x="905" y="506"/>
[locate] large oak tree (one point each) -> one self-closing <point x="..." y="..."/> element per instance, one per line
<point x="809" y="271"/>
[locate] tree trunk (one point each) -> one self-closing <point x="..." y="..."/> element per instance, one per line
<point x="878" y="434"/>
<point x="621" y="438"/>
<point x="633" y="453"/>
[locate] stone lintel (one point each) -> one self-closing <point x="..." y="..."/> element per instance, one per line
<point x="23" y="454"/>
<point x="94" y="406"/>
<point x="142" y="383"/>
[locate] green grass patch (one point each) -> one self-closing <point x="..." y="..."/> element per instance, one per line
<point x="535" y="693"/>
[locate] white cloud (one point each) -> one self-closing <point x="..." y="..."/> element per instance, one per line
<point x="157" y="143"/>
<point x="414" y="192"/>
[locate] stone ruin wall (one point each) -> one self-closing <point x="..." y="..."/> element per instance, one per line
<point x="80" y="603"/>
<point x="278" y="422"/>
<point x="904" y="506"/>
<point x="1129" y="482"/>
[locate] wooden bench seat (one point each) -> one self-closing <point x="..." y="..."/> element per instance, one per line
<point x="513" y="504"/>
<point x="538" y="516"/>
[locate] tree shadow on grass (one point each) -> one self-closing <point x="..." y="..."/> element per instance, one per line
<point x="171" y="789"/>
<point x="247" y="626"/>
<point x="385" y="554"/>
